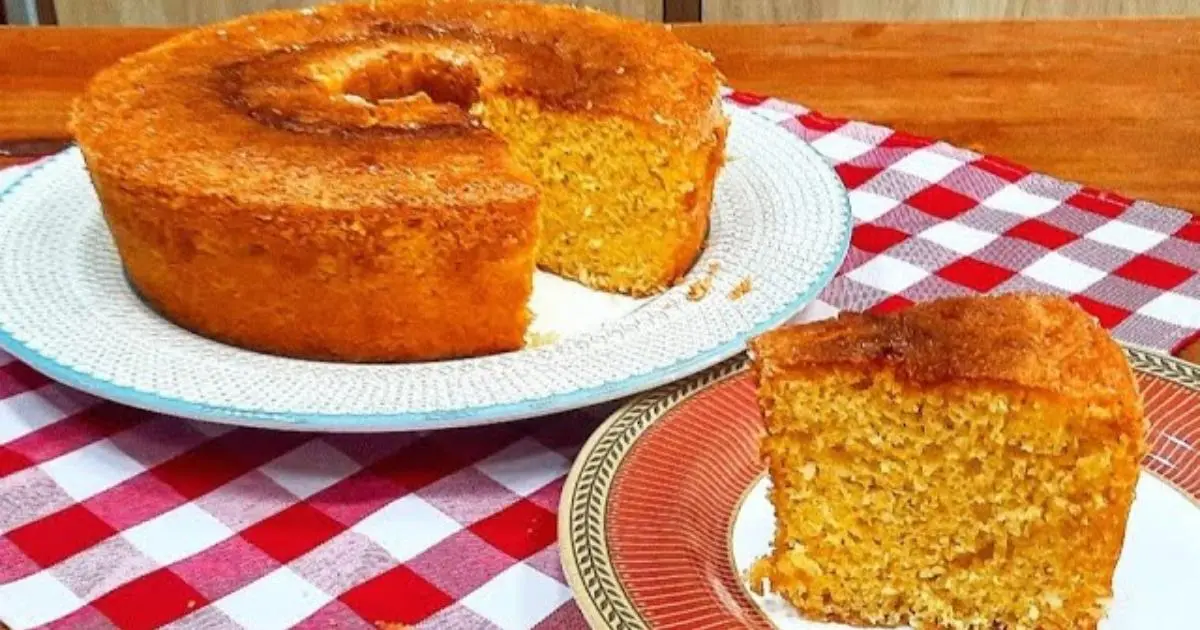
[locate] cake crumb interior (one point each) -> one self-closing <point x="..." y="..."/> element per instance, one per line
<point x="938" y="506"/>
<point x="615" y="201"/>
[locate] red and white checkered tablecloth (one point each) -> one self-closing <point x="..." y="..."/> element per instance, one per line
<point x="115" y="517"/>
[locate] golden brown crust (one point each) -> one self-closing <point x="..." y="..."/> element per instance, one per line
<point x="368" y="286"/>
<point x="179" y="95"/>
<point x="318" y="183"/>
<point x="1038" y="342"/>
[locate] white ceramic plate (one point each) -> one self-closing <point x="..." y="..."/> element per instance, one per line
<point x="780" y="218"/>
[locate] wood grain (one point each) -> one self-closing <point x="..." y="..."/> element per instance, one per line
<point x="46" y="12"/>
<point x="681" y="11"/>
<point x="874" y="10"/>
<point x="185" y="12"/>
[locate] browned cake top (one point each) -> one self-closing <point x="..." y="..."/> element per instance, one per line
<point x="312" y="106"/>
<point x="1038" y="342"/>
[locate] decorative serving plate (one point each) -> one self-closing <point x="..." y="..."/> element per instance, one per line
<point x="666" y="508"/>
<point x="780" y="222"/>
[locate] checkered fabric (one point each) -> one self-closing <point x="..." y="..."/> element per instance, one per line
<point x="933" y="220"/>
<point x="113" y="517"/>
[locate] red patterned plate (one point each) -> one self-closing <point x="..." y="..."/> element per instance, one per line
<point x="666" y="507"/>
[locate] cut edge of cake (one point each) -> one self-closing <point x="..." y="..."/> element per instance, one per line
<point x="965" y="462"/>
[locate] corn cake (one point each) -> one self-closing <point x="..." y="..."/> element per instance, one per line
<point x="376" y="181"/>
<point x="967" y="463"/>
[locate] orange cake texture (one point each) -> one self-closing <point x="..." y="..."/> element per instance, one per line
<point x="376" y="181"/>
<point x="967" y="463"/>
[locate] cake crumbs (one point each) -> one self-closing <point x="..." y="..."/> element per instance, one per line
<point x="741" y="289"/>
<point x="540" y="339"/>
<point x="191" y="603"/>
<point x="699" y="289"/>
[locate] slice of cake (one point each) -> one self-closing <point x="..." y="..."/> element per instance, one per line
<point x="967" y="463"/>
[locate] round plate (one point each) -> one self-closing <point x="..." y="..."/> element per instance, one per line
<point x="780" y="220"/>
<point x="665" y="509"/>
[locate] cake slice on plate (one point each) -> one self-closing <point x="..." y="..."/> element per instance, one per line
<point x="966" y="463"/>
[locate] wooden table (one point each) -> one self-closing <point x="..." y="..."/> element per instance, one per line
<point x="1113" y="104"/>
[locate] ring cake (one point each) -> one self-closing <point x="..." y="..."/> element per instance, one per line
<point x="377" y="181"/>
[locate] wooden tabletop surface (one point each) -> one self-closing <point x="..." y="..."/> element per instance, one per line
<point x="1113" y="104"/>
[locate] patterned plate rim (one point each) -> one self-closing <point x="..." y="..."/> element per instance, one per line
<point x="583" y="508"/>
<point x="448" y="417"/>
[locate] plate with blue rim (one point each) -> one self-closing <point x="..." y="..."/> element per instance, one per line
<point x="780" y="227"/>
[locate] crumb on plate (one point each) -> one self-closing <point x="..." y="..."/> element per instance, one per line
<point x="741" y="289"/>
<point x="539" y="339"/>
<point x="700" y="287"/>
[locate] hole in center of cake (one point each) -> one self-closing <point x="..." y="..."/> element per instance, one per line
<point x="400" y="78"/>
